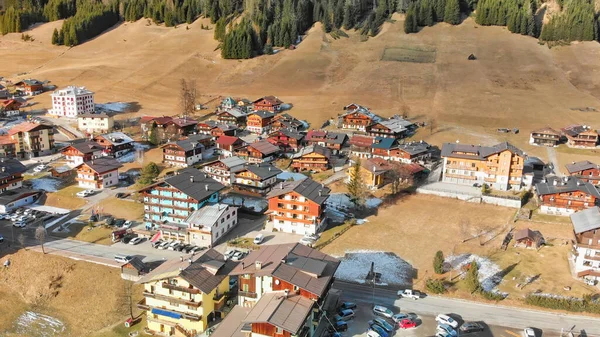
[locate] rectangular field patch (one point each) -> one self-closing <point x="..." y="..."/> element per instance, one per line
<point x="413" y="54"/>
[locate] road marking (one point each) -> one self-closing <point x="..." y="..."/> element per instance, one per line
<point x="513" y="333"/>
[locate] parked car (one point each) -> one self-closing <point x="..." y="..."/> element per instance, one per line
<point x="379" y="330"/>
<point x="164" y="245"/>
<point x="121" y="195"/>
<point x="40" y="168"/>
<point x="180" y="247"/>
<point x="174" y="245"/>
<point x="372" y="333"/>
<point x="348" y="305"/>
<point x="382" y="311"/>
<point x="93" y="218"/>
<point x="156" y="243"/>
<point x="197" y="249"/>
<point x="237" y="256"/>
<point x="468" y="327"/>
<point x="19" y="224"/>
<point x="397" y="318"/>
<point x="118" y="223"/>
<point x="189" y="248"/>
<point x="382" y="323"/>
<point x="128" y="224"/>
<point x="229" y="254"/>
<point x="85" y="193"/>
<point x="232" y="282"/>
<point x="1" y="239"/>
<point x="529" y="332"/>
<point x="338" y="326"/>
<point x="409" y="293"/>
<point x="447" y="329"/>
<point x="123" y="258"/>
<point x="259" y="239"/>
<point x="110" y="220"/>
<point x="345" y="315"/>
<point x="445" y="319"/>
<point x="407" y="324"/>
<point x="135" y="241"/>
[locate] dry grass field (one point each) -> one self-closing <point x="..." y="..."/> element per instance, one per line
<point x="515" y="82"/>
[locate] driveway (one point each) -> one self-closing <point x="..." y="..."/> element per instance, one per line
<point x="553" y="160"/>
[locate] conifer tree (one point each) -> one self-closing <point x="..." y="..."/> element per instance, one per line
<point x="452" y="12"/>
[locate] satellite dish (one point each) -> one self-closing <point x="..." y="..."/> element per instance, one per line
<point x="277" y="282"/>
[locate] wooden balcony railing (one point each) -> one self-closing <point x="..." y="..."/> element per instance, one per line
<point x="249" y="294"/>
<point x="178" y="288"/>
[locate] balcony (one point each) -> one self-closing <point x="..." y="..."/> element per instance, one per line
<point x="142" y="305"/>
<point x="171" y="299"/>
<point x="182" y="289"/>
<point x="592" y="257"/>
<point x="249" y="294"/>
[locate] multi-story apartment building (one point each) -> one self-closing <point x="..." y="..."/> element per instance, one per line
<point x="586" y="243"/>
<point x="585" y="171"/>
<point x="32" y="139"/>
<point x="564" y="196"/>
<point x="7" y="147"/>
<point x="312" y="158"/>
<point x="289" y="141"/>
<point x="545" y="137"/>
<point x="98" y="173"/>
<point x="410" y="152"/>
<point x="181" y="296"/>
<point x="298" y="206"/>
<point x="259" y="122"/>
<point x="500" y="166"/>
<point x="78" y="153"/>
<point x="208" y="225"/>
<point x="11" y="174"/>
<point x="115" y="144"/>
<point x="95" y="123"/>
<point x="182" y="153"/>
<point x="72" y="101"/>
<point x="223" y="170"/>
<point x="256" y="179"/>
<point x="281" y="292"/>
<point x="173" y="199"/>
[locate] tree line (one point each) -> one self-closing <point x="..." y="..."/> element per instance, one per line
<point x="427" y="12"/>
<point x="91" y="19"/>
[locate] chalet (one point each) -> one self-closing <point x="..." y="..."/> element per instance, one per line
<point x="173" y="199"/>
<point x="500" y="166"/>
<point x="564" y="196"/>
<point x="206" y="127"/>
<point x="258" y="152"/>
<point x="158" y="125"/>
<point x="267" y="103"/>
<point x="134" y="269"/>
<point x="545" y="137"/>
<point x="10" y="107"/>
<point x="30" y="87"/>
<point x="65" y="172"/>
<point x="586" y="244"/>
<point x="7" y="147"/>
<point x="528" y="238"/>
<point x="581" y="136"/>
<point x="180" y="127"/>
<point x="257" y="179"/>
<point x="259" y="122"/>
<point x="228" y="103"/>
<point x="98" y="173"/>
<point x="11" y="174"/>
<point x="205" y="140"/>
<point x="395" y="127"/>
<point x="32" y="139"/>
<point x="18" y="197"/>
<point x="182" y="296"/>
<point x="227" y="145"/>
<point x="312" y="158"/>
<point x="281" y="291"/>
<point x="410" y="152"/>
<point x="372" y="171"/>
<point x="234" y="116"/>
<point x="289" y="141"/>
<point x="285" y="121"/>
<point x="298" y="206"/>
<point x="223" y="130"/>
<point x="208" y="225"/>
<point x="360" y="146"/>
<point x="182" y="153"/>
<point x="77" y="153"/>
<point x="115" y="144"/>
<point x="332" y="140"/>
<point x="585" y="171"/>
<point x="382" y="147"/>
<point x="357" y="117"/>
<point x="223" y="170"/>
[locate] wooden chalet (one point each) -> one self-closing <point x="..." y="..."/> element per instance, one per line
<point x="545" y="137"/>
<point x="227" y="145"/>
<point x="267" y="103"/>
<point x="582" y="136"/>
<point x="10" y="107"/>
<point x="206" y="127"/>
<point x="357" y="117"/>
<point x="286" y="121"/>
<point x="360" y="146"/>
<point x="115" y="144"/>
<point x="182" y="153"/>
<point x="257" y="179"/>
<point x="410" y="152"/>
<point x="30" y="87"/>
<point x="258" y="152"/>
<point x="528" y="238"/>
<point x="395" y="127"/>
<point x="332" y="140"/>
<point x="224" y="130"/>
<point x="98" y="173"/>
<point x="564" y="196"/>
<point x="234" y="116"/>
<point x="223" y="170"/>
<point x="7" y="147"/>
<point x="585" y="171"/>
<point x="259" y="122"/>
<point x="289" y="141"/>
<point x="78" y="153"/>
<point x="312" y="158"/>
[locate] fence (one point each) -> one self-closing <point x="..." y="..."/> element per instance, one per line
<point x="513" y="202"/>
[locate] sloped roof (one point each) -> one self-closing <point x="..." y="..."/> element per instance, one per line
<point x="527" y="233"/>
<point x="383" y="143"/>
<point x="271" y="99"/>
<point x="11" y="166"/>
<point x="232" y="324"/>
<point x="264" y="170"/>
<point x="478" y="152"/>
<point x="183" y="122"/>
<point x="28" y="127"/>
<point x="103" y="164"/>
<point x="186" y="144"/>
<point x="575" y="129"/>
<point x="307" y="188"/>
<point x="16" y="194"/>
<point x="286" y="312"/>
<point x="194" y="183"/>
<point x="292" y="134"/>
<point x="6" y="139"/>
<point x="414" y="148"/>
<point x="376" y="165"/>
<point x="586" y="220"/>
<point x="233" y="161"/>
<point x="580" y="166"/>
<point x="315" y="135"/>
<point x="85" y="147"/>
<point x="227" y="140"/>
<point x="313" y="149"/>
<point x="29" y="81"/>
<point x="546" y="130"/>
<point x="116" y="138"/>
<point x="361" y="141"/>
<point x="394" y="125"/>
<point x="235" y="112"/>
<point x="10" y="101"/>
<point x="264" y="147"/>
<point x="263" y="114"/>
<point x="94" y="115"/>
<point x="566" y="184"/>
<point x="208" y="215"/>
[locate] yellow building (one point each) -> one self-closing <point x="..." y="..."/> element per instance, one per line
<point x="500" y="166"/>
<point x="32" y="139"/>
<point x="372" y="172"/>
<point x="95" y="123"/>
<point x="181" y="296"/>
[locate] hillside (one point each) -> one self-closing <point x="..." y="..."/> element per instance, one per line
<point x="515" y="82"/>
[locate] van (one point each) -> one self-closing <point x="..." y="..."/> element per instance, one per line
<point x="259" y="239"/>
<point x="123" y="258"/>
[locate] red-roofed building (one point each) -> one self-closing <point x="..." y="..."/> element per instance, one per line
<point x="32" y="139"/>
<point x="268" y="103"/>
<point x="360" y="146"/>
<point x="10" y="107"/>
<point x="228" y="144"/>
<point x="287" y="140"/>
<point x="7" y="146"/>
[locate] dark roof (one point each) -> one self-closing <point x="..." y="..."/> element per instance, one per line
<point x="376" y="165"/>
<point x="16" y="194"/>
<point x="10" y="166"/>
<point x="233" y="323"/>
<point x="263" y="114"/>
<point x="580" y="166"/>
<point x="292" y="134"/>
<point x="210" y="123"/>
<point x="116" y="138"/>
<point x="194" y="183"/>
<point x="361" y="141"/>
<point x="383" y="143"/>
<point x="586" y="220"/>
<point x="86" y="147"/>
<point x="546" y="130"/>
<point x="228" y="140"/>
<point x="565" y="184"/>
<point x="271" y="99"/>
<point x="295" y="263"/>
<point x="527" y="233"/>
<point x="288" y="312"/>
<point x="575" y="129"/>
<point x="307" y="188"/>
<point x="30" y="81"/>
<point x="183" y="122"/>
<point x="477" y="151"/>
<point x="414" y="148"/>
<point x="264" y="147"/>
<point x="186" y="144"/>
<point x="205" y="272"/>
<point x="313" y="149"/>
<point x="336" y="137"/>
<point x="264" y="170"/>
<point x="103" y="164"/>
<point x="137" y="263"/>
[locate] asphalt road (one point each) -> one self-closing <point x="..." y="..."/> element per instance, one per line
<point x="498" y="315"/>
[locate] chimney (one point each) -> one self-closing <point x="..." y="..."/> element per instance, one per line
<point x="579" y="183"/>
<point x="573" y="162"/>
<point x="181" y="258"/>
<point x="242" y="265"/>
<point x="286" y="292"/>
<point x="3" y="168"/>
<point x="269" y="168"/>
<point x="555" y="182"/>
<point x="320" y="193"/>
<point x="258" y="265"/>
<point x="192" y="179"/>
<point x="206" y="187"/>
<point x="281" y="185"/>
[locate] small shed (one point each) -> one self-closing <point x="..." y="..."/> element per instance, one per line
<point x="529" y="239"/>
<point x="62" y="172"/>
<point x="134" y="269"/>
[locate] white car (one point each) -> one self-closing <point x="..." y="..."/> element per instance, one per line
<point x="445" y="319"/>
<point x="382" y="311"/>
<point x="372" y="333"/>
<point x="40" y="168"/>
<point x="19" y="224"/>
<point x="229" y="254"/>
<point x="127" y="224"/>
<point x="238" y="256"/>
<point x="85" y="193"/>
<point x="164" y="245"/>
<point x="259" y="239"/>
<point x="135" y="240"/>
<point x="529" y="332"/>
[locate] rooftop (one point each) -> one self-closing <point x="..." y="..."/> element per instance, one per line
<point x="546" y="130"/>
<point x="376" y="165"/>
<point x="263" y="114"/>
<point x="96" y="115"/>
<point x="307" y="188"/>
<point x="414" y="148"/>
<point x="313" y="149"/>
<point x="586" y="220"/>
<point x="281" y="310"/>
<point x="85" y="147"/>
<point x="264" y="147"/>
<point x="10" y="166"/>
<point x="13" y="195"/>
<point x="186" y="144"/>
<point x="232" y="324"/>
<point x="270" y="99"/>
<point x="193" y="183"/>
<point x="184" y="121"/>
<point x="263" y="170"/>
<point x="361" y="141"/>
<point x="579" y="166"/>
<point x="207" y="216"/>
<point x="116" y="138"/>
<point x="103" y="164"/>
<point x="233" y="161"/>
<point x="478" y="152"/>
<point x="28" y="127"/>
<point x="566" y="184"/>
<point x="383" y="143"/>
<point x="72" y="90"/>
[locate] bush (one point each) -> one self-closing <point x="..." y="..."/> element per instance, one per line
<point x="492" y="296"/>
<point x="485" y="189"/>
<point x="472" y="278"/>
<point x="585" y="304"/>
<point x="435" y="286"/>
<point x="438" y="262"/>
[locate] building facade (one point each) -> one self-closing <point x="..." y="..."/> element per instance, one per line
<point x="11" y="174"/>
<point x="581" y="136"/>
<point x="30" y="87"/>
<point x="115" y="144"/>
<point x="256" y="179"/>
<point x="72" y="101"/>
<point x="585" y="171"/>
<point x="567" y="195"/>
<point x="78" y="153"/>
<point x="312" y="158"/>
<point x="259" y="122"/>
<point x="586" y="244"/>
<point x="208" y="225"/>
<point x="267" y="103"/>
<point x="95" y="123"/>
<point x="258" y="152"/>
<point x="223" y="170"/>
<point x="182" y="153"/>
<point x="98" y="173"/>
<point x="32" y="139"/>
<point x="545" y="137"/>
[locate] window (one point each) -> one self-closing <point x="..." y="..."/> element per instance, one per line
<point x="279" y="330"/>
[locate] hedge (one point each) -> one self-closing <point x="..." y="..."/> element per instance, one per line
<point x="573" y="304"/>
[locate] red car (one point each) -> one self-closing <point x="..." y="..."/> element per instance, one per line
<point x="407" y="324"/>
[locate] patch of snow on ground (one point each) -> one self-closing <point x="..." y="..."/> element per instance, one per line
<point x="46" y="184"/>
<point x="489" y="272"/>
<point x="113" y="106"/>
<point x="355" y="266"/>
<point x="8" y="125"/>
<point x="255" y="204"/>
<point x="49" y="209"/>
<point x="50" y="224"/>
<point x="37" y="325"/>
<point x="341" y="201"/>
<point x="287" y="175"/>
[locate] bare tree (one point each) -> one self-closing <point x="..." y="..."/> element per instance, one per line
<point x="126" y="299"/>
<point x="187" y="98"/>
<point x="40" y="235"/>
<point x="432" y="125"/>
<point x="21" y="240"/>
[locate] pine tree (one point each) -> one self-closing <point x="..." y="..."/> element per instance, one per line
<point x="356" y="185"/>
<point x="73" y="36"/>
<point x="472" y="278"/>
<point x="410" y="21"/>
<point x="438" y="262"/>
<point x="452" y="12"/>
<point x="55" y="37"/>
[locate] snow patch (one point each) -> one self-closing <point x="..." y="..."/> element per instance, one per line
<point x="46" y="184"/>
<point x="34" y="324"/>
<point x="9" y="125"/>
<point x="489" y="272"/>
<point x="50" y="224"/>
<point x="287" y="175"/>
<point x="254" y="204"/>
<point x="113" y="106"/>
<point x="341" y="201"/>
<point x="355" y="266"/>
